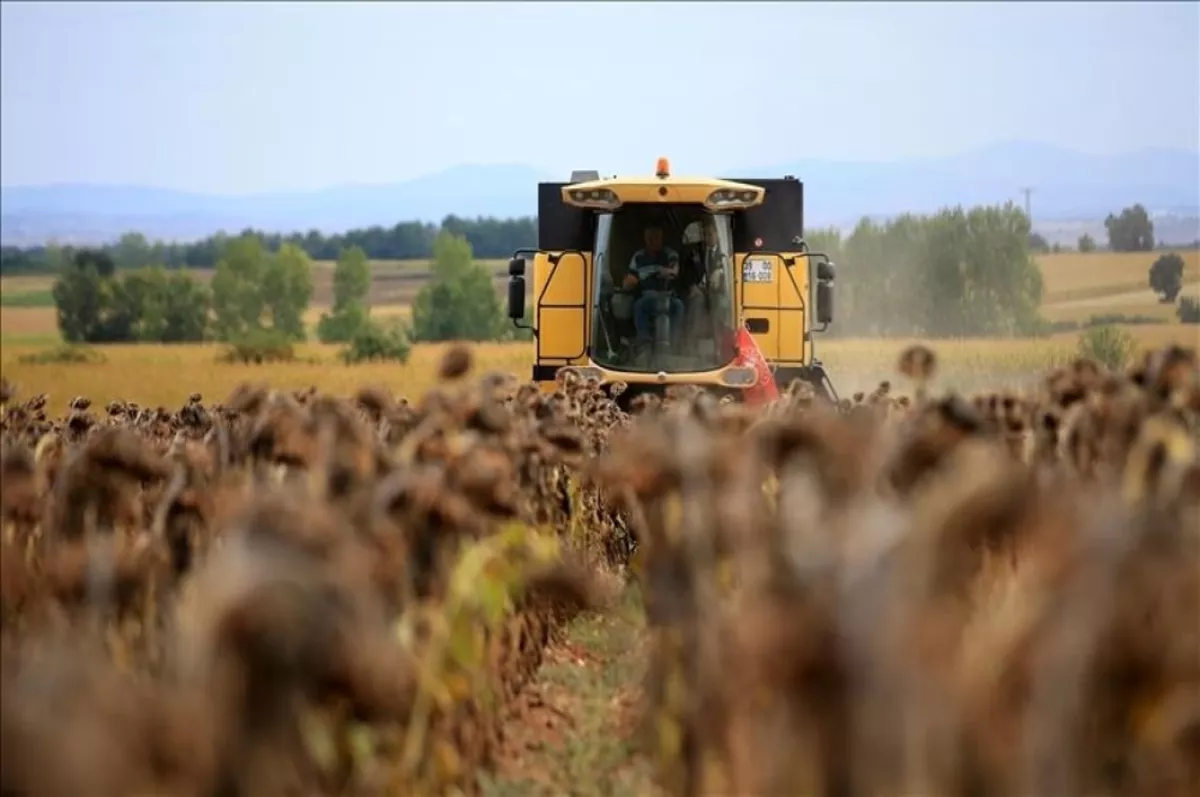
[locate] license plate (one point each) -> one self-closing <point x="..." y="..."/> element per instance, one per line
<point x="758" y="269"/>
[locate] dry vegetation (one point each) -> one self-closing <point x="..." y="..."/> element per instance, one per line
<point x="1069" y="276"/>
<point x="289" y="592"/>
<point x="948" y="596"/>
<point x="1080" y="286"/>
<point x="164" y="375"/>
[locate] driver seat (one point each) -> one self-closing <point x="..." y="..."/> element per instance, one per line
<point x="619" y="254"/>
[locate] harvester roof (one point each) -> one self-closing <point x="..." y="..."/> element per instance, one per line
<point x="661" y="188"/>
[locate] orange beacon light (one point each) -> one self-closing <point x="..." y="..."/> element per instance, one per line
<point x="662" y="168"/>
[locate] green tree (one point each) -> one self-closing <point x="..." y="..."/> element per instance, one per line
<point x="351" y="278"/>
<point x="1107" y="344"/>
<point x="98" y="258"/>
<point x="77" y="300"/>
<point x="254" y="290"/>
<point x="90" y="304"/>
<point x="237" y="288"/>
<point x="340" y="326"/>
<point x="1004" y="283"/>
<point x="886" y="287"/>
<point x="826" y="240"/>
<point x="459" y="302"/>
<point x="133" y="251"/>
<point x="1188" y="310"/>
<point x="1166" y="276"/>
<point x="287" y="290"/>
<point x="145" y="304"/>
<point x="1132" y="231"/>
<point x="959" y="272"/>
<point x="1087" y="243"/>
<point x="489" y="238"/>
<point x="186" y="305"/>
<point x="374" y="341"/>
<point x="351" y="288"/>
<point x="142" y="292"/>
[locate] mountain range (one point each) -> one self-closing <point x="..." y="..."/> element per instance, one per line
<point x="1069" y="188"/>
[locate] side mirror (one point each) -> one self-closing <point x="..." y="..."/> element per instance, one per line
<point x="516" y="294"/>
<point x="825" y="271"/>
<point x="824" y="303"/>
<point x="516" y="267"/>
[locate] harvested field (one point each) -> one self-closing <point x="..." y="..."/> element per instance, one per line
<point x="489" y="590"/>
<point x="19" y="322"/>
<point x="1089" y="275"/>
<point x="1142" y="303"/>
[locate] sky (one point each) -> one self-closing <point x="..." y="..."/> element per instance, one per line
<point x="242" y="98"/>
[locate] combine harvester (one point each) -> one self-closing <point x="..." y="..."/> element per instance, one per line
<point x="658" y="280"/>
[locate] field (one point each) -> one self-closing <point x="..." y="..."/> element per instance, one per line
<point x="156" y="371"/>
<point x="519" y="612"/>
<point x="855" y="365"/>
<point x="393" y="282"/>
<point x="1077" y="287"/>
<point x="27" y="309"/>
<point x="488" y="591"/>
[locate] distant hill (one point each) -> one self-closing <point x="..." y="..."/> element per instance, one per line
<point x="86" y="213"/>
<point x="1067" y="184"/>
<point x="1070" y="189"/>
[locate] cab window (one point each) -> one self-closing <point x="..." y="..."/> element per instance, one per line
<point x="664" y="289"/>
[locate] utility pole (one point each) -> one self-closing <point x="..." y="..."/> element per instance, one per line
<point x="1028" y="209"/>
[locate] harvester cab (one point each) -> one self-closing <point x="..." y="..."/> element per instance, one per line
<point x="658" y="280"/>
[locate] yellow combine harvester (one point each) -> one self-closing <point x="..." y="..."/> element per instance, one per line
<point x="649" y="280"/>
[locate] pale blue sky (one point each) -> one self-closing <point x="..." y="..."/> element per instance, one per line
<point x="225" y="97"/>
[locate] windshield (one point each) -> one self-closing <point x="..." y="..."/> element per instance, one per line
<point x="663" y="289"/>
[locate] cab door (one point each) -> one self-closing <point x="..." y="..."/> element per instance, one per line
<point x="772" y="271"/>
<point x="561" y="291"/>
<point x="561" y="278"/>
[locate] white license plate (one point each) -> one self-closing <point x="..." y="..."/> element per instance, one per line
<point x="758" y="269"/>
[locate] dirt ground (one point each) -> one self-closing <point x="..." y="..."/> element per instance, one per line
<point x="572" y="730"/>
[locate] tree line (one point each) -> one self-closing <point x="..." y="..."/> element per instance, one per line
<point x="957" y="272"/>
<point x="257" y="299"/>
<point x="490" y="238"/>
<point x="960" y="272"/>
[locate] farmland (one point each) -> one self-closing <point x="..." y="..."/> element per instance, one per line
<point x="536" y="643"/>
<point x="855" y="365"/>
<point x="1077" y="287"/>
<point x="484" y="590"/>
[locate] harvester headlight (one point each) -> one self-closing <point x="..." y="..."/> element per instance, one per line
<point x="730" y="198"/>
<point x="583" y="372"/>
<point x="721" y="197"/>
<point x="595" y="198"/>
<point x="739" y="376"/>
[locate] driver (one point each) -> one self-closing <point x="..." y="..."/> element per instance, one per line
<point x="651" y="272"/>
